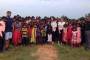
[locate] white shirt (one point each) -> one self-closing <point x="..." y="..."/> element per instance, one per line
<point x="61" y="25"/>
<point x="54" y="25"/>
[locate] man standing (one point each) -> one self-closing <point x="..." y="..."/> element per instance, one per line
<point x="8" y="31"/>
<point x="2" y="30"/>
<point x="54" y="27"/>
<point x="61" y="24"/>
<point x="87" y="34"/>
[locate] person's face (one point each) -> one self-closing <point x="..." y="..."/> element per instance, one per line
<point x="9" y="14"/>
<point x="67" y="23"/>
<point x="61" y="19"/>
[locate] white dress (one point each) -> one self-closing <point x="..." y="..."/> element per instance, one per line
<point x="49" y="37"/>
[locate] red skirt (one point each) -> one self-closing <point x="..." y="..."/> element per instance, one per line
<point x="16" y="37"/>
<point x="69" y="36"/>
<point x="65" y="37"/>
<point x="30" y="32"/>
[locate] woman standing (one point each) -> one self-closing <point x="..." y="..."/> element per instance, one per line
<point x="49" y="34"/>
<point x="78" y="35"/>
<point x="25" y="35"/>
<point x="43" y="35"/>
<point x="33" y="34"/>
<point x="64" y="40"/>
<point x="61" y="24"/>
<point x="69" y="33"/>
<point x="87" y="34"/>
<point x="30" y="31"/>
<point x="38" y="35"/>
<point x="74" y="37"/>
<point x="16" y="33"/>
<point x="54" y="27"/>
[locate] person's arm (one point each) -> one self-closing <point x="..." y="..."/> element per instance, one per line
<point x="13" y="27"/>
<point x="3" y="23"/>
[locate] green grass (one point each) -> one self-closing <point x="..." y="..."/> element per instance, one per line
<point x="20" y="53"/>
<point x="28" y="53"/>
<point x="68" y="53"/>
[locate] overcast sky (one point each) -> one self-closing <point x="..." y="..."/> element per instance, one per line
<point x="70" y="8"/>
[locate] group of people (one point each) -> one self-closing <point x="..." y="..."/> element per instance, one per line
<point x="34" y="30"/>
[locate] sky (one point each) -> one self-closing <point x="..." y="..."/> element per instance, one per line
<point x="69" y="8"/>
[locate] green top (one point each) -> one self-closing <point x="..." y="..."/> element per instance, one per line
<point x="43" y="32"/>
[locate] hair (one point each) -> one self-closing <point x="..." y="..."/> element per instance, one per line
<point x="65" y="25"/>
<point x="8" y="11"/>
<point x="74" y="27"/>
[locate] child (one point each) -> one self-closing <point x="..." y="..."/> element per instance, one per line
<point x="33" y="34"/>
<point x="38" y="35"/>
<point x="74" y="37"/>
<point x="24" y="34"/>
<point x="65" y="34"/>
<point x="2" y="30"/>
<point x="78" y="35"/>
<point x="43" y="33"/>
<point x="30" y="32"/>
<point x="69" y="34"/>
<point x="49" y="35"/>
<point x="16" y="33"/>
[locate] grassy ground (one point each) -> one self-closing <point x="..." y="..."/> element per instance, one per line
<point x="20" y="53"/>
<point x="28" y="53"/>
<point x="68" y="53"/>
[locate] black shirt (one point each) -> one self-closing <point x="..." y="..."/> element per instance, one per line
<point x="87" y="26"/>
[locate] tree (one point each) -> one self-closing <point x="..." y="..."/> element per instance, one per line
<point x="81" y="18"/>
<point x="87" y="16"/>
<point x="65" y="17"/>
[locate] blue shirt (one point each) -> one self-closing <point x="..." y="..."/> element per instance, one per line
<point x="9" y="22"/>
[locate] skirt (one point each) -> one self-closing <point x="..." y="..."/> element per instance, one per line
<point x="16" y="37"/>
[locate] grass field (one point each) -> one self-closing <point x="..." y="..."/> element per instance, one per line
<point x="68" y="53"/>
<point x="20" y="53"/>
<point x="28" y="53"/>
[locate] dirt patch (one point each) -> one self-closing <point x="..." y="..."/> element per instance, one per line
<point x="46" y="52"/>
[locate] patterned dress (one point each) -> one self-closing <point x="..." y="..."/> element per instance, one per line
<point x="25" y="35"/>
<point x="74" y="37"/>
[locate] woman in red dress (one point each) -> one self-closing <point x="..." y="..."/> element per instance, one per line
<point x="16" y="33"/>
<point x="65" y="34"/>
<point x="30" y="31"/>
<point x="69" y="33"/>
